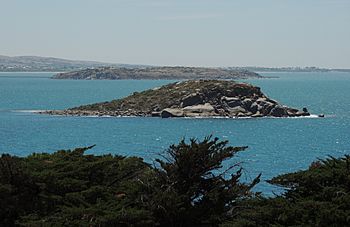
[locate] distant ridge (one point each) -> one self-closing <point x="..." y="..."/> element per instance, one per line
<point x="48" y="64"/>
<point x="288" y="69"/>
<point x="52" y="64"/>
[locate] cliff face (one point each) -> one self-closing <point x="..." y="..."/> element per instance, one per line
<point x="196" y="98"/>
<point x="112" y="73"/>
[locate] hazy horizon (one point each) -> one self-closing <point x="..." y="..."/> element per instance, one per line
<point x="116" y="63"/>
<point x="267" y="33"/>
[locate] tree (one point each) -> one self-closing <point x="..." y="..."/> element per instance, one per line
<point x="192" y="187"/>
<point x="18" y="191"/>
<point x="318" y="196"/>
<point x="188" y="187"/>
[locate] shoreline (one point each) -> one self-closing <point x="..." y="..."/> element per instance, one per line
<point x="41" y="112"/>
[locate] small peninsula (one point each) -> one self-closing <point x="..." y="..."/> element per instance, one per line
<point x="193" y="98"/>
<point x="156" y="73"/>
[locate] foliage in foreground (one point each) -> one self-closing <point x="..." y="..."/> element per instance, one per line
<point x="188" y="187"/>
<point x="319" y="196"/>
<point x="69" y="188"/>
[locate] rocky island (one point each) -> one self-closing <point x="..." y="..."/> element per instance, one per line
<point x="194" y="98"/>
<point x="156" y="73"/>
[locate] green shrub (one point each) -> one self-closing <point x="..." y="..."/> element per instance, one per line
<point x="318" y="196"/>
<point x="187" y="187"/>
<point x="69" y="188"/>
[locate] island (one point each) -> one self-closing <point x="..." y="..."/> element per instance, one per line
<point x="192" y="98"/>
<point x="156" y="73"/>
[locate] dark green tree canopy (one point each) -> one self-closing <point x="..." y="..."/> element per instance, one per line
<point x="69" y="188"/>
<point x="188" y="187"/>
<point x="192" y="174"/>
<point x="318" y="196"/>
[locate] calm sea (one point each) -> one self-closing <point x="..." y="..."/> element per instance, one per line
<point x="275" y="145"/>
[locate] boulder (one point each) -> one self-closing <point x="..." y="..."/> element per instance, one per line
<point x="292" y="112"/>
<point x="171" y="112"/>
<point x="302" y="113"/>
<point x="257" y="114"/>
<point x="236" y="110"/>
<point x="231" y="101"/>
<point x="205" y="109"/>
<point x="278" y="111"/>
<point x="192" y="99"/>
<point x="248" y="114"/>
<point x="228" y="99"/>
<point x="254" y="107"/>
<point x="266" y="108"/>
<point x="260" y="100"/>
<point x="241" y="115"/>
<point x="246" y="103"/>
<point x="234" y="103"/>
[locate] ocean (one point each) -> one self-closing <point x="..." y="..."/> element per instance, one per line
<point x="275" y="145"/>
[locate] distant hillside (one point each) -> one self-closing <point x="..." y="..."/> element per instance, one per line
<point x="289" y="69"/>
<point x="45" y="64"/>
<point x="119" y="73"/>
<point x="50" y="64"/>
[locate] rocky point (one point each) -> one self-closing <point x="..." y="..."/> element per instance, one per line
<point x="192" y="98"/>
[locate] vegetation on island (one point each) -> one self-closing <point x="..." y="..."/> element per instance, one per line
<point x="192" y="98"/>
<point x="187" y="186"/>
<point x="156" y="73"/>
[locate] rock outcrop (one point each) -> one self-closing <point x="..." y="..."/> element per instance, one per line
<point x="195" y="98"/>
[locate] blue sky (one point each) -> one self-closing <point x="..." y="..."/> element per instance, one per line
<point x="270" y="33"/>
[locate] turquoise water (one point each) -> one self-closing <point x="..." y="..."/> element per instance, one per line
<point x="275" y="145"/>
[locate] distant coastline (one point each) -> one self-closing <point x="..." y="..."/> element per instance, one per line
<point x="50" y="64"/>
<point x="289" y="69"/>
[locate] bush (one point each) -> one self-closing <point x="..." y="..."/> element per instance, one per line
<point x="188" y="187"/>
<point x="192" y="188"/>
<point x="319" y="196"/>
<point x="69" y="188"/>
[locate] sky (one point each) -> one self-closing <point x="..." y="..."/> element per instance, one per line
<point x="269" y="33"/>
